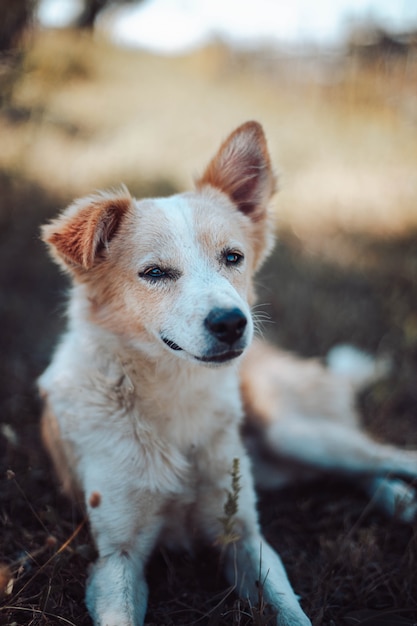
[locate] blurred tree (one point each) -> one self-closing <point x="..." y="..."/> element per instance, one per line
<point x="15" y="16"/>
<point x="92" y="8"/>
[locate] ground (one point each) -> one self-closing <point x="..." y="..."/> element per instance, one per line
<point x="326" y="283"/>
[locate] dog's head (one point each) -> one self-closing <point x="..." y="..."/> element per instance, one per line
<point x="175" y="274"/>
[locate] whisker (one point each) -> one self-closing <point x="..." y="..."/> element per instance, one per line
<point x="260" y="318"/>
<point x="261" y="315"/>
<point x="260" y="304"/>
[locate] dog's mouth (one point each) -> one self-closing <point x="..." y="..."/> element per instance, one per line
<point x="171" y="344"/>
<point x="221" y="357"/>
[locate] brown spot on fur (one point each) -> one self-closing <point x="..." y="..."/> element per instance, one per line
<point x="95" y="500"/>
<point x="6" y="578"/>
<point x="51" y="541"/>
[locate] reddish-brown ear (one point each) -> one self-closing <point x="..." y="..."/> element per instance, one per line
<point x="242" y="170"/>
<point x="85" y="228"/>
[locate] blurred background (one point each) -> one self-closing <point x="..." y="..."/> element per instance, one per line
<point x="94" y="93"/>
<point x="99" y="91"/>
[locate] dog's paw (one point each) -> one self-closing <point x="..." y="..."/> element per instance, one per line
<point x="293" y="618"/>
<point x="116" y="592"/>
<point x="395" y="497"/>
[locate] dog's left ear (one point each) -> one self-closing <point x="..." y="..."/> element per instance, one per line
<point x="242" y="170"/>
<point x="84" y="230"/>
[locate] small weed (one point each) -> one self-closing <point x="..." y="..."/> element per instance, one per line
<point x="231" y="507"/>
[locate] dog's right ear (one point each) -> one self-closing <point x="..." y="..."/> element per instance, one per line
<point x="85" y="229"/>
<point x="242" y="170"/>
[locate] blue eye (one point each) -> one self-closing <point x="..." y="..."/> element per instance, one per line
<point x="155" y="272"/>
<point x="233" y="258"/>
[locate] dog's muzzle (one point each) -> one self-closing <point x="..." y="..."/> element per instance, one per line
<point x="226" y="325"/>
<point x="226" y="328"/>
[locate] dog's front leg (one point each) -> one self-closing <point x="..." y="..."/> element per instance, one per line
<point x="228" y="516"/>
<point x="125" y="523"/>
<point x="259" y="576"/>
<point x="117" y="592"/>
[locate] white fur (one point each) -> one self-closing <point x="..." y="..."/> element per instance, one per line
<point x="305" y="424"/>
<point x="358" y="366"/>
<point x="141" y="419"/>
<point x="143" y="405"/>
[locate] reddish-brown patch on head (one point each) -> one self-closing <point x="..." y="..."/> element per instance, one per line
<point x="95" y="499"/>
<point x="85" y="228"/>
<point x="242" y="170"/>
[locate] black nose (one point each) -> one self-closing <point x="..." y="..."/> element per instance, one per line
<point x="227" y="325"/>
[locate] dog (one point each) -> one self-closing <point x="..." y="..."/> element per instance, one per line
<point x="145" y="396"/>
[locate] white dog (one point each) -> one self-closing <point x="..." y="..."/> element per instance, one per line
<point x="143" y="398"/>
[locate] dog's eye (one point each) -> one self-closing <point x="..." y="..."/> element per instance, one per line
<point x="153" y="273"/>
<point x="233" y="258"/>
<point x="156" y="273"/>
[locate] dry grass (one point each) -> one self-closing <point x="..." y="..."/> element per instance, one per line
<point x="347" y="145"/>
<point x="85" y="115"/>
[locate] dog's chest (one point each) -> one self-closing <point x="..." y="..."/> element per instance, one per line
<point x="188" y="413"/>
<point x="167" y="420"/>
<point x="183" y="406"/>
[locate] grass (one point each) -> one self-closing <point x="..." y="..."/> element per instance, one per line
<point x="85" y="115"/>
<point x="346" y="144"/>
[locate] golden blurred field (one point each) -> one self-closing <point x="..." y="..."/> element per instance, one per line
<point x="343" y="134"/>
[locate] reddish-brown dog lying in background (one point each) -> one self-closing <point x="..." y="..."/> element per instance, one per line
<point x="143" y="398"/>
